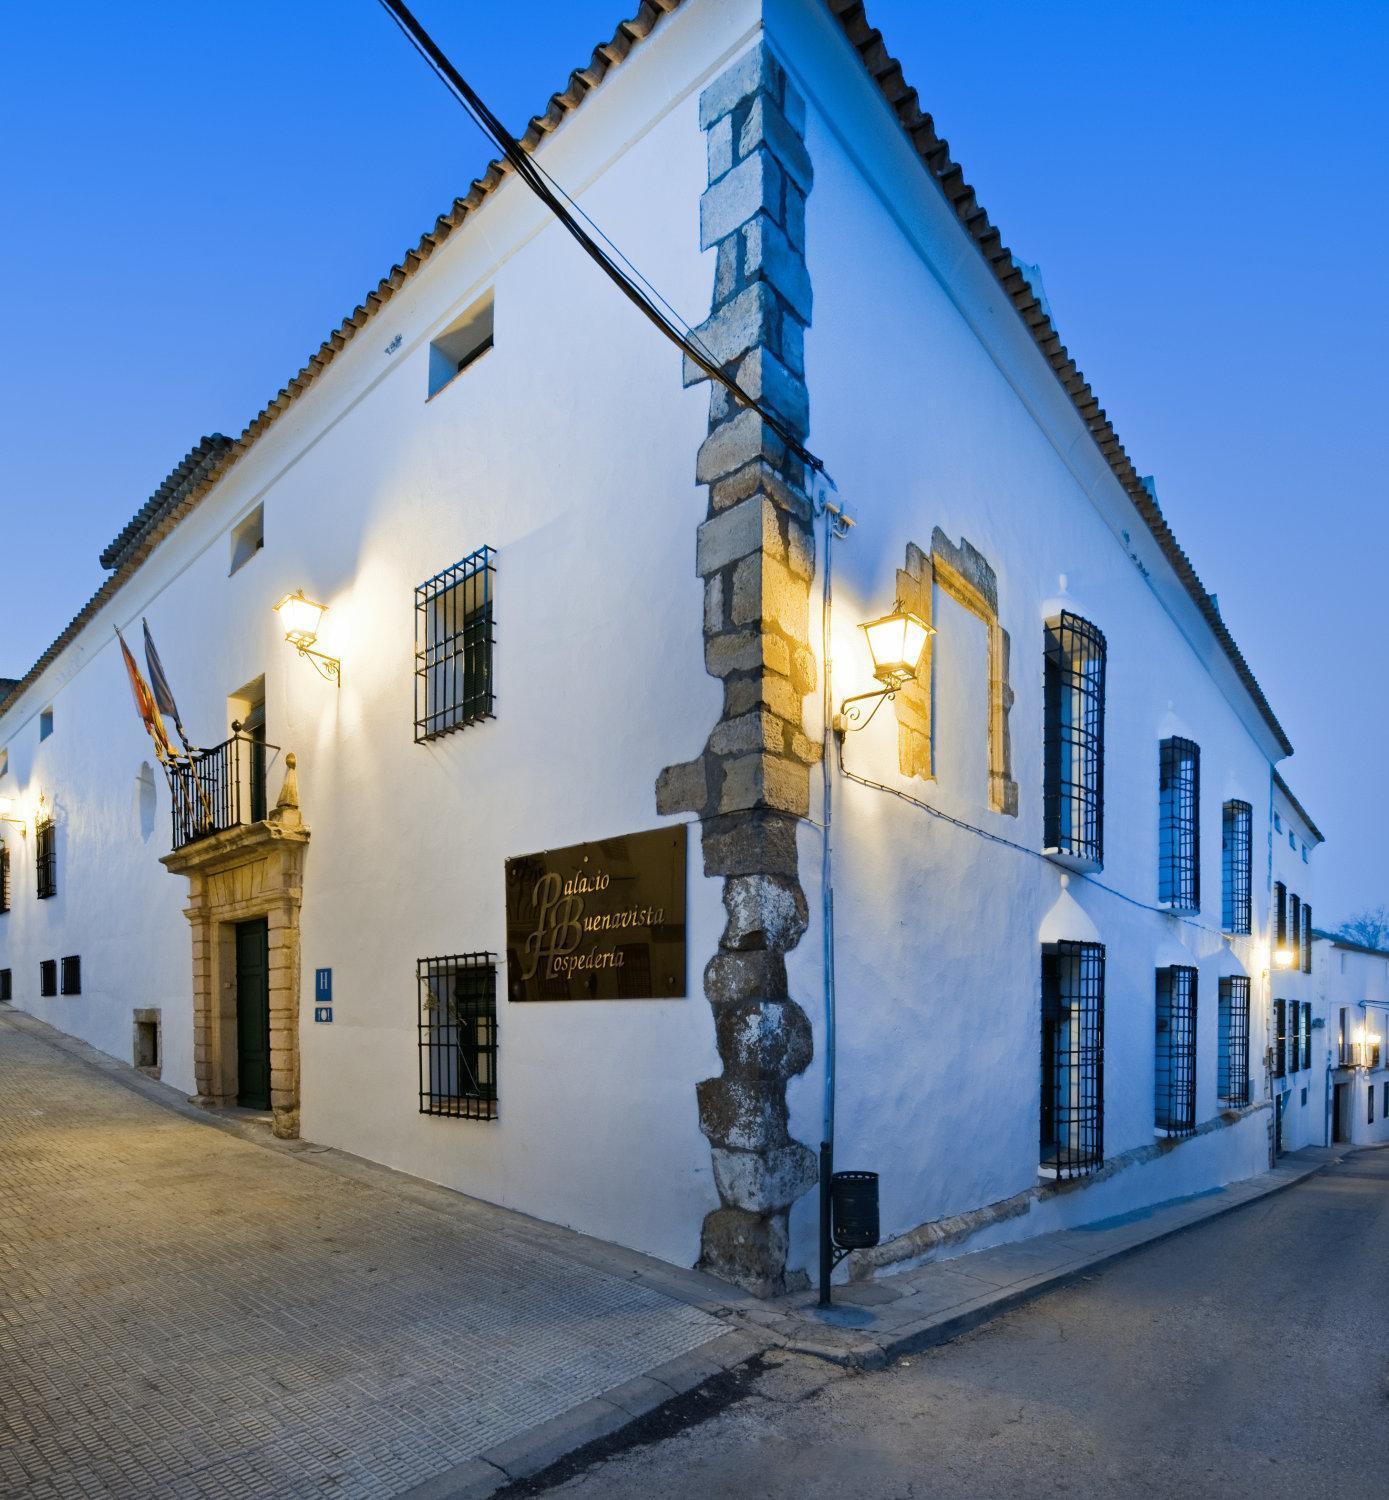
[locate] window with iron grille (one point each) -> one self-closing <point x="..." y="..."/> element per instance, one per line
<point x="1175" y="1076"/>
<point x="1237" y="867"/>
<point x="6" y="984"/>
<point x="1179" y="824"/>
<point x="1306" y="937"/>
<point x="1295" y="930"/>
<point x="453" y="646"/>
<point x="1344" y="1052"/>
<point x="1280" y="914"/>
<point x="48" y="976"/>
<point x="1073" y="757"/>
<point x="1232" y="1058"/>
<point x="1306" y="1033"/>
<point x="1372" y="1104"/>
<point x="458" y="1035"/>
<point x="1294" y="1029"/>
<point x="1072" y="1120"/>
<point x="4" y="876"/>
<point x="1280" y="1038"/>
<point x="46" y="858"/>
<point x="1386" y="1100"/>
<point x="72" y="975"/>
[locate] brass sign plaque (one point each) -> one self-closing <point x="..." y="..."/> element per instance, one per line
<point x="603" y="921"/>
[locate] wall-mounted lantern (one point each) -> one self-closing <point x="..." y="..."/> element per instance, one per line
<point x="1283" y="958"/>
<point x="11" y="812"/>
<point x="301" y="617"/>
<point x="895" y="642"/>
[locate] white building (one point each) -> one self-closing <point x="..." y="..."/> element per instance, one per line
<point x="575" y="598"/>
<point x="1354" y="988"/>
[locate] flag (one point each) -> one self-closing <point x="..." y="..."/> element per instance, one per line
<point x="145" y="706"/>
<point x="163" y="693"/>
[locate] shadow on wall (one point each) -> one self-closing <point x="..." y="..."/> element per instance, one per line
<point x="146" y="800"/>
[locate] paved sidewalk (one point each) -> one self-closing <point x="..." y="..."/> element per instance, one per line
<point x="184" y="1311"/>
<point x="874" y="1322"/>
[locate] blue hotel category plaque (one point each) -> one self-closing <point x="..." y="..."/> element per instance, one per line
<point x="601" y="921"/>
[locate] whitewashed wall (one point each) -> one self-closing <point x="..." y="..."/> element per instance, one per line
<point x="1305" y="1092"/>
<point x="1360" y="982"/>
<point x="932" y="408"/>
<point x="570" y="448"/>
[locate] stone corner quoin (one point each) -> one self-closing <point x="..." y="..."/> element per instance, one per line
<point x="756" y="554"/>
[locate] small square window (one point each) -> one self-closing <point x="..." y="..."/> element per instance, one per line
<point x="1304" y="1096"/>
<point x="1304" y="854"/>
<point x="460" y="345"/>
<point x="247" y="538"/>
<point x="6" y="985"/>
<point x="48" y="976"/>
<point x="1277" y="823"/>
<point x="1292" y="839"/>
<point x="72" y="975"/>
<point x="45" y="723"/>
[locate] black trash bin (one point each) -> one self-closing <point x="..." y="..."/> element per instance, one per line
<point x="854" y="1198"/>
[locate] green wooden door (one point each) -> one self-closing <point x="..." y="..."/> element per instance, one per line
<point x="253" y="1014"/>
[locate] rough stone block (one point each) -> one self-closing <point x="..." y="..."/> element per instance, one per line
<point x="763" y="1038"/>
<point x="733" y="651"/>
<point x="728" y="274"/>
<point x="743" y="1114"/>
<point x="734" y="443"/>
<point x="804" y="670"/>
<point x="765" y="1182"/>
<point x="741" y="531"/>
<point x="746" y="1248"/>
<point x="765" y="590"/>
<point x="764" y="911"/>
<point x="755" y="72"/>
<point x="764" y="780"/>
<point x="759" y="477"/>
<point x="682" y="788"/>
<point x="766" y="379"/>
<point x="800" y="547"/>
<point x="719" y="140"/>
<point x="754" y="186"/>
<point x="714" y="616"/>
<point x="793" y="217"/>
<point x="742" y="323"/>
<point x="750" y="843"/>
<point x="791" y="343"/>
<point x="765" y="126"/>
<point x="772" y="689"/>
<point x="751" y="732"/>
<point x="733" y="977"/>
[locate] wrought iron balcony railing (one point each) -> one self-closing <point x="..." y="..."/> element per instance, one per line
<point x="220" y="788"/>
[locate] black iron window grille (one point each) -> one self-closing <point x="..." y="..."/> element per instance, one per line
<point x="220" y="788"/>
<point x="1280" y="914"/>
<point x="1072" y="1117"/>
<point x="1073" y="763"/>
<point x="1237" y="867"/>
<point x="453" y="646"/>
<point x="1306" y="937"/>
<point x="1175" y="1075"/>
<point x="46" y="859"/>
<point x="1232" y="1059"/>
<point x="72" y="975"/>
<point x="1294" y="1029"/>
<point x="4" y="876"/>
<point x="458" y="1035"/>
<point x="48" y="976"/>
<point x="6" y="984"/>
<point x="1280" y="1038"/>
<point x="1179" y="823"/>
<point x="1306" y="1033"/>
<point x="1295" y="930"/>
<point x="1372" y="1104"/>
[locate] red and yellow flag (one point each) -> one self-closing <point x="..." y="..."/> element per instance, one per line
<point x="145" y="705"/>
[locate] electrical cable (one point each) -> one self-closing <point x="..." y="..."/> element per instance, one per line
<point x="643" y="296"/>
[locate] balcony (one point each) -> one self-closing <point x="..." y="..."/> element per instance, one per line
<point x="219" y="789"/>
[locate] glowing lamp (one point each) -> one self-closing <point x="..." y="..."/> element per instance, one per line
<point x="895" y="642"/>
<point x="301" y="617"/>
<point x="1283" y="958"/>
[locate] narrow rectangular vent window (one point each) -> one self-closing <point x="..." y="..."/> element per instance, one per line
<point x="458" y="1035"/>
<point x="46" y="859"/>
<point x="1280" y="1038"/>
<point x="1175" y="1075"/>
<point x="45" y="723"/>
<point x="48" y="976"/>
<point x="247" y="538"/>
<point x="461" y="344"/>
<point x="1232" y="1067"/>
<point x="72" y="975"/>
<point x="1179" y="822"/>
<point x="453" y="646"/>
<point x="1072" y="1123"/>
<point x="1237" y="867"/>
<point x="1073" y="766"/>
<point x="6" y="984"/>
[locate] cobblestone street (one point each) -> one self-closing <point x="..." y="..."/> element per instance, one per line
<point x="185" y="1312"/>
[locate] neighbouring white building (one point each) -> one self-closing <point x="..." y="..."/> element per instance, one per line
<point x="575" y="597"/>
<point x="1353" y="981"/>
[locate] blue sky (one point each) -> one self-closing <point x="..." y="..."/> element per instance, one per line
<point x="195" y="195"/>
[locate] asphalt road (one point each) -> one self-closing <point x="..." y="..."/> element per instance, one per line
<point x="1249" y="1356"/>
